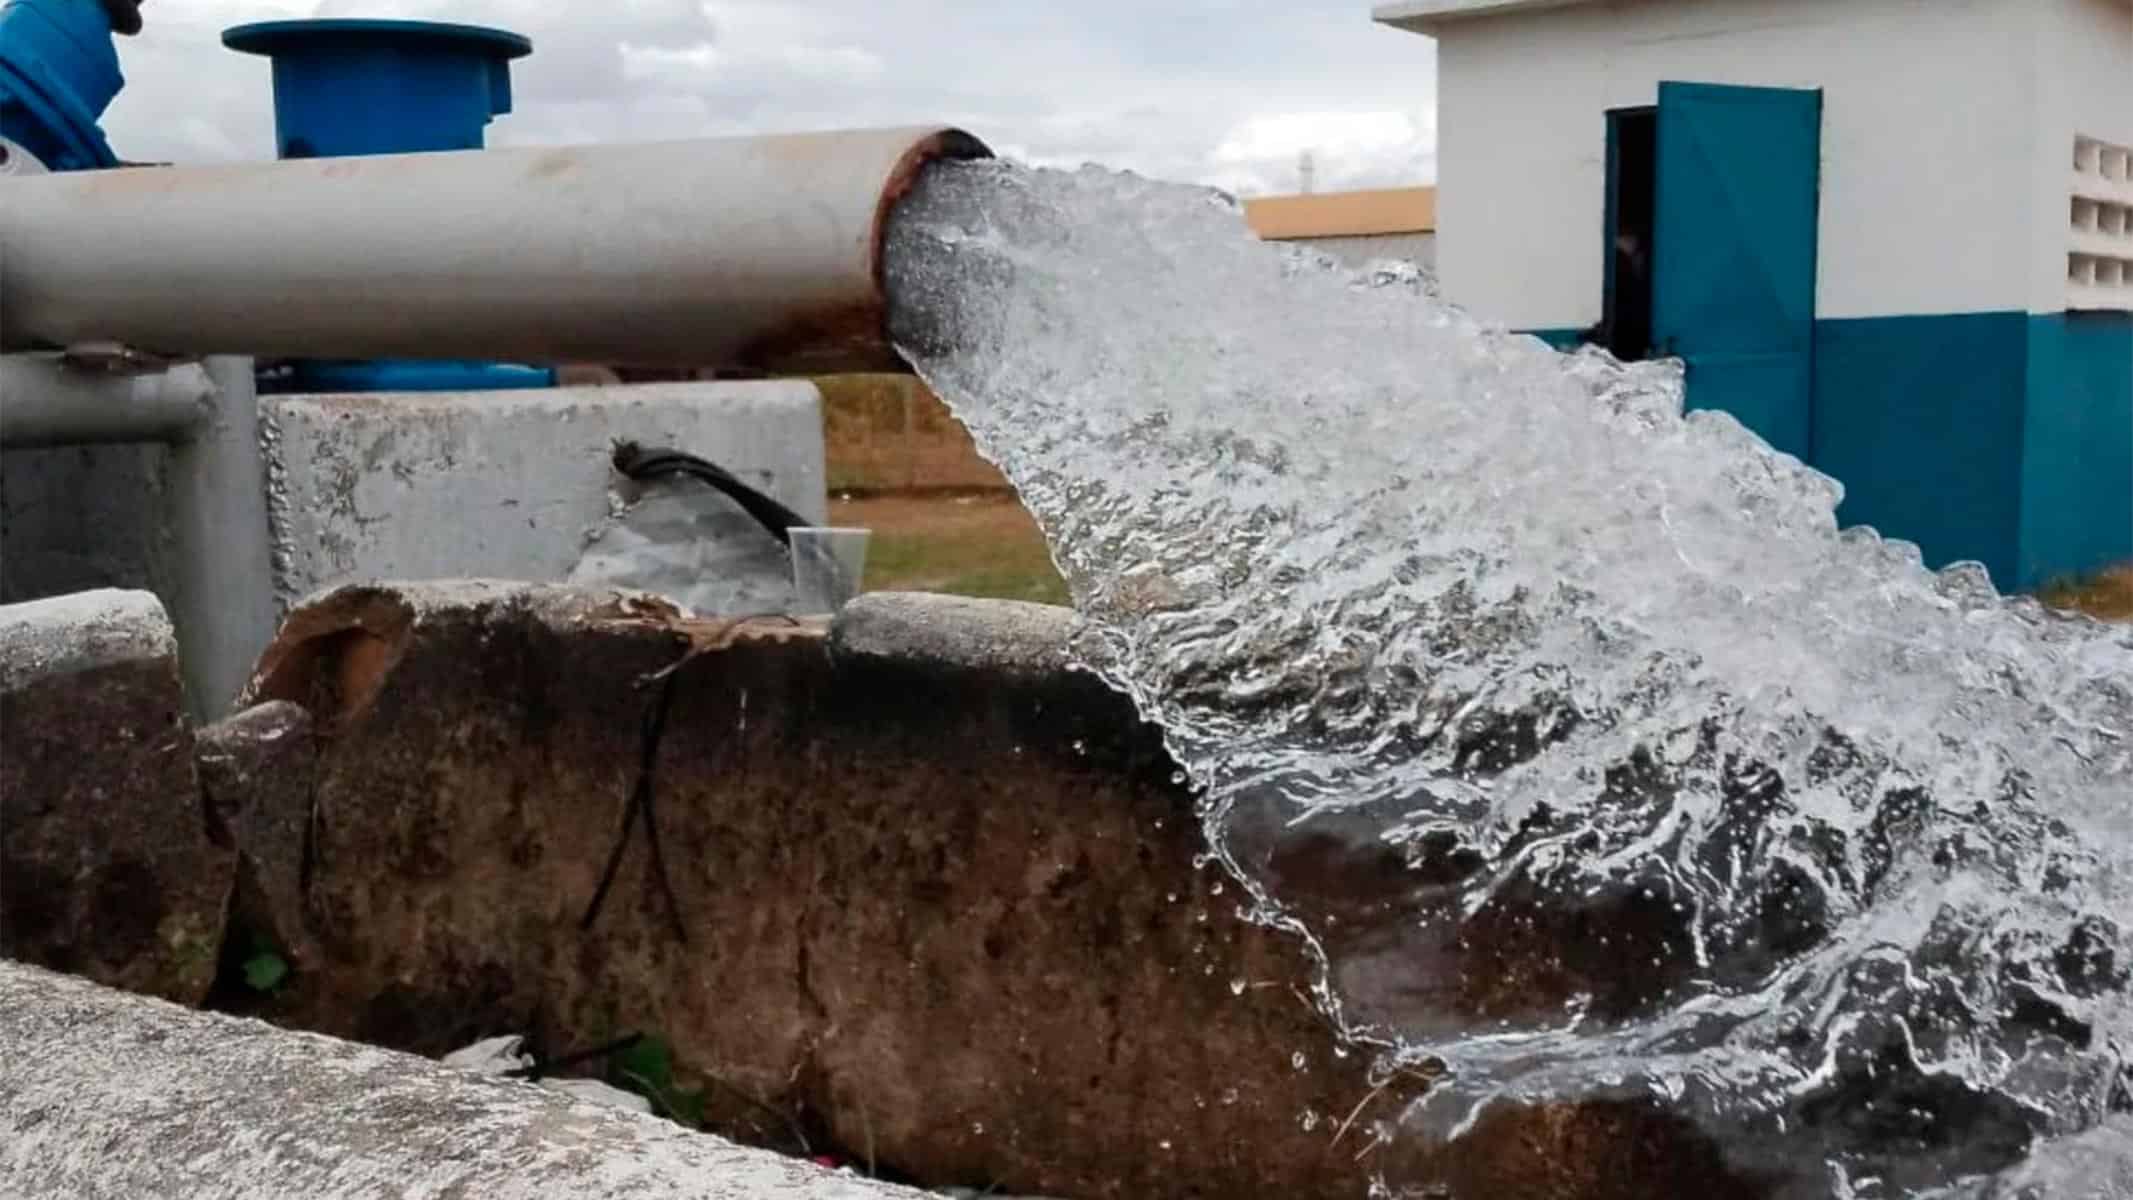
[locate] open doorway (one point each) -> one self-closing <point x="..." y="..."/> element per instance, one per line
<point x="1632" y="182"/>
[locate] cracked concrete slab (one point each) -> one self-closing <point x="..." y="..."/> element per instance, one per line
<point x="110" y="1095"/>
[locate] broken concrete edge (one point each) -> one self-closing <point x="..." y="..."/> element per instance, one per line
<point x="1013" y="638"/>
<point x="81" y="631"/>
<point x="362" y="630"/>
<point x="110" y="1094"/>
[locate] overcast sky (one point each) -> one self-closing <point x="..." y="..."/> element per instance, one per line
<point x="1225" y="92"/>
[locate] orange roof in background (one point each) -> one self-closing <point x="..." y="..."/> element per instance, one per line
<point x="1343" y="214"/>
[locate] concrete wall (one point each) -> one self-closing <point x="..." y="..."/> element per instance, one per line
<point x="505" y="484"/>
<point x="1927" y="136"/>
<point x="2077" y="500"/>
<point x="76" y="518"/>
<point x="929" y="899"/>
<point x="2082" y="56"/>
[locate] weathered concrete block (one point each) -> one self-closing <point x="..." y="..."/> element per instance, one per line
<point x="256" y="773"/>
<point x="110" y="1095"/>
<point x="504" y="484"/>
<point x="931" y="901"/>
<point x="106" y="867"/>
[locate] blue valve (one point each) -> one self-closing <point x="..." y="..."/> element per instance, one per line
<point x="344" y="87"/>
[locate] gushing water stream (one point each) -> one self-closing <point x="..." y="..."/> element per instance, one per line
<point x="1588" y="753"/>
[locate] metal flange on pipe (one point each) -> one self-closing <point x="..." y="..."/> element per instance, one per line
<point x="758" y="252"/>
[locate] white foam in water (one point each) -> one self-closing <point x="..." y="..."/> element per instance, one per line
<point x="1590" y="754"/>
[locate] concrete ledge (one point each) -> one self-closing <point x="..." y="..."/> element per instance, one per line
<point x="82" y="631"/>
<point x="111" y="1095"/>
<point x="106" y="865"/>
<point x="954" y="631"/>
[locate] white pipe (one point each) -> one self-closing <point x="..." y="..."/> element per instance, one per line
<point x="761" y="252"/>
<point x="220" y="582"/>
<point x="221" y="590"/>
<point x="45" y="402"/>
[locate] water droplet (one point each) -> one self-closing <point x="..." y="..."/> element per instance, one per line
<point x="1297" y="1060"/>
<point x="977" y="1127"/>
<point x="1165" y="1143"/>
<point x="1237" y="986"/>
<point x="1080" y="747"/>
<point x="1310" y="1120"/>
<point x="1215" y="889"/>
<point x="1229" y="1096"/>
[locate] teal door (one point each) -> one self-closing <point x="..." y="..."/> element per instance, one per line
<point x="1737" y="189"/>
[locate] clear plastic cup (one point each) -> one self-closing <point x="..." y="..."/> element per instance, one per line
<point x="827" y="564"/>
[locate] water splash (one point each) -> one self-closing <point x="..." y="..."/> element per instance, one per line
<point x="1589" y="754"/>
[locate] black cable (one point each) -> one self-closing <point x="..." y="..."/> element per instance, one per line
<point x="640" y="802"/>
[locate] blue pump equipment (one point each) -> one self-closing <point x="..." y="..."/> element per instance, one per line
<point x="58" y="72"/>
<point x="344" y="87"/>
<point x="347" y="87"/>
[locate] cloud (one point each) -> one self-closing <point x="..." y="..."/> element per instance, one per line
<point x="1346" y="149"/>
<point x="1227" y="92"/>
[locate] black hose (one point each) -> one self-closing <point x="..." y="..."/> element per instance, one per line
<point x="638" y="463"/>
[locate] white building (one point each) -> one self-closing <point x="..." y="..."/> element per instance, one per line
<point x="1893" y="236"/>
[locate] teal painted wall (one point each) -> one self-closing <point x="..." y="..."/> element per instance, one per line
<point x="2077" y="461"/>
<point x="1921" y="419"/>
<point x="2001" y="437"/>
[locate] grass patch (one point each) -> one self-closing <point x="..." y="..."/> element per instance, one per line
<point x="983" y="545"/>
<point x="2107" y="594"/>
